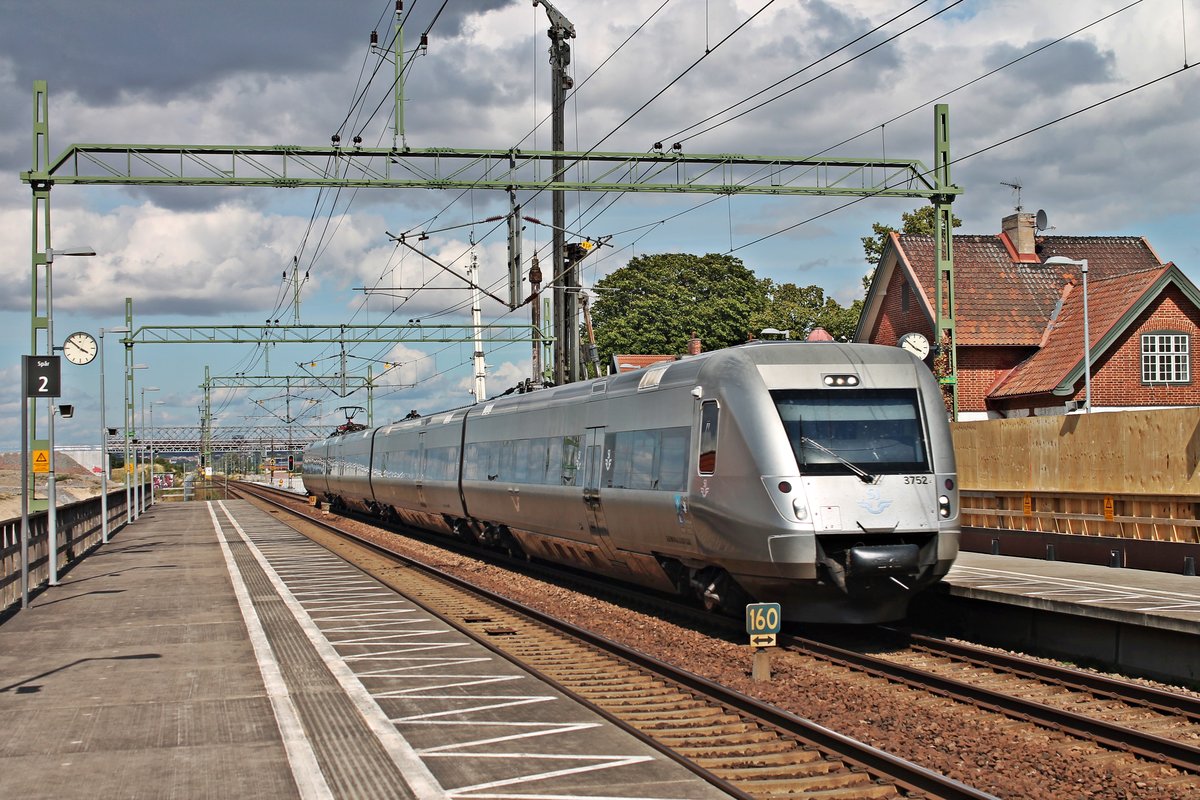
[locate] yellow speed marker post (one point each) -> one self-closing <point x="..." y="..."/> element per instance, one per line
<point x="763" y="621"/>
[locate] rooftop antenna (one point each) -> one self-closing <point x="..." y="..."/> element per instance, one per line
<point x="1015" y="185"/>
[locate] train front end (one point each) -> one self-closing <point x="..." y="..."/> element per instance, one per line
<point x="852" y="445"/>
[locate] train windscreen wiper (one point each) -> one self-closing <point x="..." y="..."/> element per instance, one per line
<point x="862" y="474"/>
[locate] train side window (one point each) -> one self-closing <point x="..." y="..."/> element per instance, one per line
<point x="621" y="447"/>
<point x="709" y="414"/>
<point x="539" y="460"/>
<point x="570" y="459"/>
<point x="642" y="447"/>
<point x="520" y="462"/>
<point x="672" y="467"/>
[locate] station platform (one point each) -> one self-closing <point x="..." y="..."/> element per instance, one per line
<point x="1147" y="623"/>
<point x="210" y="651"/>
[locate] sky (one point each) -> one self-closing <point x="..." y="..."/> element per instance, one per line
<point x="1086" y="104"/>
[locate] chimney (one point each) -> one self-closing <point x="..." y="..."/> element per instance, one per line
<point x="1021" y="230"/>
<point x="693" y="345"/>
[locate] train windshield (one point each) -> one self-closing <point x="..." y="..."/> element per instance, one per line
<point x="870" y="431"/>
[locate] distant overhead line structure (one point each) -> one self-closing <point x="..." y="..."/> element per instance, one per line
<point x="308" y="334"/>
<point x="197" y="438"/>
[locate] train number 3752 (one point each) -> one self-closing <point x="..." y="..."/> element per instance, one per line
<point x="912" y="479"/>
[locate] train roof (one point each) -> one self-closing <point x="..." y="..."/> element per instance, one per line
<point x="686" y="370"/>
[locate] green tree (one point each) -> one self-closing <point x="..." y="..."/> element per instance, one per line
<point x="918" y="221"/>
<point x="800" y="309"/>
<point x="653" y="304"/>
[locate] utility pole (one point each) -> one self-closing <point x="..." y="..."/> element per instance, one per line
<point x="593" y="356"/>
<point x="565" y="279"/>
<point x="397" y="58"/>
<point x="480" y="390"/>
<point x="535" y="311"/>
<point x="295" y="281"/>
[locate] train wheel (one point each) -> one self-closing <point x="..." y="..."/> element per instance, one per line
<point x="718" y="592"/>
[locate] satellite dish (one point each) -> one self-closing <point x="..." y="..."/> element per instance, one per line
<point x="1042" y="221"/>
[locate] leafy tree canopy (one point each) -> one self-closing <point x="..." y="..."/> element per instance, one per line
<point x="918" y="221"/>
<point x="654" y="303"/>
<point x="798" y="310"/>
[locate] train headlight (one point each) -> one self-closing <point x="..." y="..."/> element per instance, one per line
<point x="801" y="509"/>
<point x="944" y="506"/>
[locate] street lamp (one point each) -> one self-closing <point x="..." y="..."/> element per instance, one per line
<point x="151" y="431"/>
<point x="1087" y="339"/>
<point x="104" y="440"/>
<point x="51" y="487"/>
<point x="128" y="436"/>
<point x="142" y="483"/>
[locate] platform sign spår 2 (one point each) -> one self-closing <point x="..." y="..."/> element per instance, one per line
<point x="763" y="621"/>
<point x="42" y="376"/>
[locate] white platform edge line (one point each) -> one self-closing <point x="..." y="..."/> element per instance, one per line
<point x="415" y="773"/>
<point x="306" y="770"/>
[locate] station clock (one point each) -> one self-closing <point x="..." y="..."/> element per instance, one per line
<point x="80" y="348"/>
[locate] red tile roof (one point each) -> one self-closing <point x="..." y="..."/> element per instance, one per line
<point x="999" y="302"/>
<point x="1108" y="301"/>
<point x="628" y="363"/>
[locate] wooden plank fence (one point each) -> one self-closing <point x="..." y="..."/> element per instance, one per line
<point x="1128" y="474"/>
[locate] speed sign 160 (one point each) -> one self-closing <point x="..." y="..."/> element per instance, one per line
<point x="763" y="618"/>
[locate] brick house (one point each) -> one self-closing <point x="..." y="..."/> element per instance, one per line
<point x="1020" y="321"/>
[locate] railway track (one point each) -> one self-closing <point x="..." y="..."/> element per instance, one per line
<point x="1118" y="716"/>
<point x="1124" y="716"/>
<point x="749" y="748"/>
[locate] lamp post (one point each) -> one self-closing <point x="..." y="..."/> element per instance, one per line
<point x="104" y="440"/>
<point x="1087" y="339"/>
<point x="51" y="486"/>
<point x="142" y="483"/>
<point x="153" y="403"/>
<point x="129" y="515"/>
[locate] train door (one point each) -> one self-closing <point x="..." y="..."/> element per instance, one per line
<point x="594" y="468"/>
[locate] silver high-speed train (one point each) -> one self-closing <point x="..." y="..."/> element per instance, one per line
<point x="817" y="475"/>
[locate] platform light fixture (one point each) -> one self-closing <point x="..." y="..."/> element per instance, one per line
<point x="51" y="489"/>
<point x="1082" y="263"/>
<point x="141" y="484"/>
<point x="129" y="505"/>
<point x="104" y="434"/>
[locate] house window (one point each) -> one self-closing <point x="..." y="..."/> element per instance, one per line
<point x="904" y="295"/>
<point x="1165" y="358"/>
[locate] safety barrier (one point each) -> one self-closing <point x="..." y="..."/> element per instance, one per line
<point x="79" y="530"/>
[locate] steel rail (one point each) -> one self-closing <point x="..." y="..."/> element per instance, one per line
<point x="905" y="774"/>
<point x="1125" y="691"/>
<point x="1150" y="746"/>
<point x="1111" y="735"/>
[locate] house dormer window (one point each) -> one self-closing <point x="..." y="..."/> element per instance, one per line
<point x="1166" y="358"/>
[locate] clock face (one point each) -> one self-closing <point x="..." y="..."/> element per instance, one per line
<point x="80" y="348"/>
<point x="916" y="344"/>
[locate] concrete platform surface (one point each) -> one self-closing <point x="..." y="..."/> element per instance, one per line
<point x="208" y="651"/>
<point x="1148" y="599"/>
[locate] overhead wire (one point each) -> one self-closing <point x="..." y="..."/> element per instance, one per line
<point x="980" y="151"/>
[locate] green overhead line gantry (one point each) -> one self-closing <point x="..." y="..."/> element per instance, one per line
<point x="659" y="170"/>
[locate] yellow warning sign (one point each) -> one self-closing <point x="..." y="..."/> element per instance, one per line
<point x="41" y="460"/>
<point x="1109" y="509"/>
